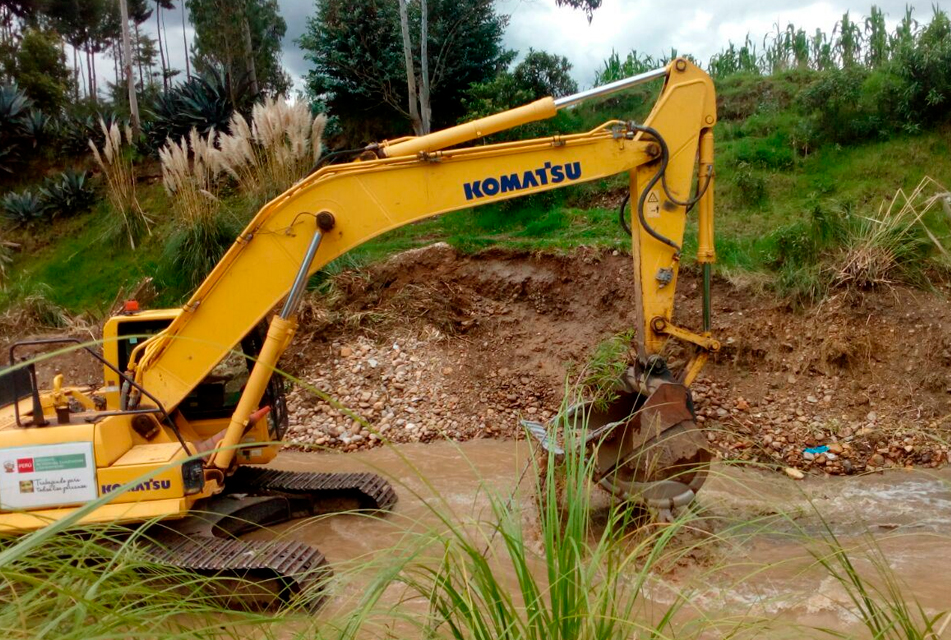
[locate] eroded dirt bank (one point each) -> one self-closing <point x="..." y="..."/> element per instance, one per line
<point x="431" y="344"/>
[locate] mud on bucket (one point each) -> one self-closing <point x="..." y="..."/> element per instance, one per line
<point x="648" y="450"/>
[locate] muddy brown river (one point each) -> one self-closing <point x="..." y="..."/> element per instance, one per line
<point x="755" y="563"/>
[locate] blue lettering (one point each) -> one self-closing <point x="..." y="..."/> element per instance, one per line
<point x="543" y="174"/>
<point x="555" y="174"/>
<point x="472" y="190"/>
<point x="148" y="485"/>
<point x="510" y="183"/>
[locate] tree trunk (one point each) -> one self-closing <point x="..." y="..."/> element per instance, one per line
<point x="424" y="107"/>
<point x="188" y="69"/>
<point x="127" y="63"/>
<point x="92" y="91"/>
<point x="249" y="52"/>
<point x="75" y="73"/>
<point x="138" y="56"/>
<point x="410" y="72"/>
<point x="161" y="50"/>
<point x="115" y="60"/>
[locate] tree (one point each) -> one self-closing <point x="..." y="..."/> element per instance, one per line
<point x="589" y="6"/>
<point x="359" y="68"/>
<point x="160" y="32"/>
<point x="413" y="96"/>
<point x="39" y="68"/>
<point x="539" y="75"/>
<point x="242" y="38"/>
<point x="127" y="66"/>
<point x="90" y="26"/>
<point x="143" y="47"/>
<point x="544" y="74"/>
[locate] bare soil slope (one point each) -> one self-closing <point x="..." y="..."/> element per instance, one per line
<point x="432" y="344"/>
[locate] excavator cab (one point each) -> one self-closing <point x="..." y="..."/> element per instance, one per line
<point x="211" y="403"/>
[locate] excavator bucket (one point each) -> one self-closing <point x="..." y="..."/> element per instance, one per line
<point x="646" y="449"/>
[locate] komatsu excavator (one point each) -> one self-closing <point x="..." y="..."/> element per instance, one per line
<point x="192" y="407"/>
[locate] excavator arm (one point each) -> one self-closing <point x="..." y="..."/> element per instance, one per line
<point x="343" y="206"/>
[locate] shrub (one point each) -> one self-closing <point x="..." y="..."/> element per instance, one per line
<point x="751" y="185"/>
<point x="771" y="152"/>
<point x="75" y="131"/>
<point x="36" y="127"/>
<point x="68" y="193"/>
<point x="116" y="165"/>
<point x="23" y="209"/>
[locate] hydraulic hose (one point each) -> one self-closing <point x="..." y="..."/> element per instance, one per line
<point x="660" y="175"/>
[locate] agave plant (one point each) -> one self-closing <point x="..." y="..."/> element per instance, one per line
<point x="36" y="126"/>
<point x="68" y="193"/>
<point x="202" y="103"/>
<point x="76" y="131"/>
<point x="24" y="208"/>
<point x="14" y="106"/>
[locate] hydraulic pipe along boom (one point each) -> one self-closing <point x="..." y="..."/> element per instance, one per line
<point x="532" y="112"/>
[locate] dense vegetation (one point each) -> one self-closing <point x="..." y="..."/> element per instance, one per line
<point x="805" y="121"/>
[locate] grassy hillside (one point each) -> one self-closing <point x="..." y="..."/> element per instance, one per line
<point x="772" y="186"/>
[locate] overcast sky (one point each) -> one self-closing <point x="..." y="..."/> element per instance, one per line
<point x="700" y="28"/>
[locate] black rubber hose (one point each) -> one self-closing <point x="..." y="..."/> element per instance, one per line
<point x="627" y="198"/>
<point x="327" y="157"/>
<point x="658" y="175"/>
<point x="661" y="175"/>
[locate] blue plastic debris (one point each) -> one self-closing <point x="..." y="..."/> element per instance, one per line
<point x="816" y="450"/>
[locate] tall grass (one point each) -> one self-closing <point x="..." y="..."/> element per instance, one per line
<point x="893" y="245"/>
<point x="599" y="376"/>
<point x="879" y="598"/>
<point x="94" y="584"/>
<point x="554" y="574"/>
<point x="842" y="248"/>
<point x="275" y="150"/>
<point x="191" y="172"/>
<point x="115" y="160"/>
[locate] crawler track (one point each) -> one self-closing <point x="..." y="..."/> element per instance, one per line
<point x="207" y="542"/>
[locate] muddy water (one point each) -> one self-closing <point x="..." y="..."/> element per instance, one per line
<point x="754" y="556"/>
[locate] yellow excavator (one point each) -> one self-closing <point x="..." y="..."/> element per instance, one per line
<point x="191" y="407"/>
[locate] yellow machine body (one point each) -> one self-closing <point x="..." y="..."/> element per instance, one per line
<point x="172" y="353"/>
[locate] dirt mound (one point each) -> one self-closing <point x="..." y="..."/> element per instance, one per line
<point x="432" y="344"/>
